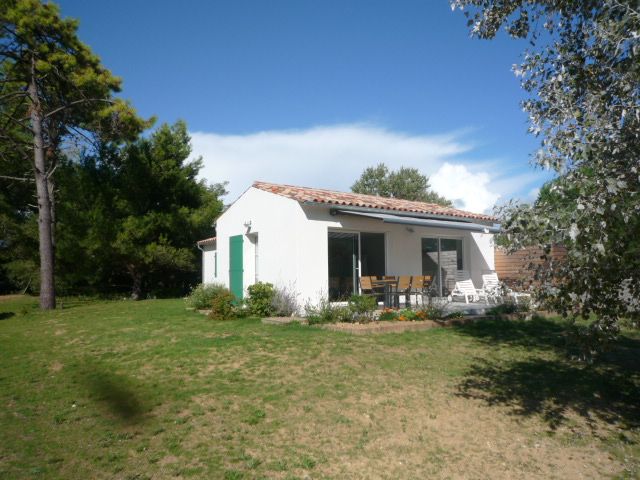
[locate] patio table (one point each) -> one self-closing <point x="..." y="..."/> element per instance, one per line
<point x="387" y="284"/>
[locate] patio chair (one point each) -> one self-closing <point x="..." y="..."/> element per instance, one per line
<point x="491" y="286"/>
<point x="403" y="287"/>
<point x="366" y="286"/>
<point x="465" y="288"/>
<point x="421" y="286"/>
<point x="492" y="279"/>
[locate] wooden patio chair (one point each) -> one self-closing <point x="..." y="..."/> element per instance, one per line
<point x="421" y="286"/>
<point x="403" y="287"/>
<point x="366" y="286"/>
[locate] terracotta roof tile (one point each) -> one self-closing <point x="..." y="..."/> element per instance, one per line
<point x="207" y="241"/>
<point x="318" y="195"/>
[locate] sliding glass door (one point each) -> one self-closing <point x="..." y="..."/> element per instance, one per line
<point x="352" y="255"/>
<point x="343" y="265"/>
<point x="372" y="260"/>
<point x="441" y="259"/>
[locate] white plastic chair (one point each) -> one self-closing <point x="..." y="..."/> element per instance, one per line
<point x="465" y="288"/>
<point x="491" y="286"/>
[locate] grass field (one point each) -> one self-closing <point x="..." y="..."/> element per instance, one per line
<point x="138" y="390"/>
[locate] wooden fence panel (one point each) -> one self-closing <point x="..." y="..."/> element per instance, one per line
<point x="515" y="266"/>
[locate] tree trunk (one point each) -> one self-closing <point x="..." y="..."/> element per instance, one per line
<point x="136" y="288"/>
<point x="51" y="186"/>
<point x="47" y="285"/>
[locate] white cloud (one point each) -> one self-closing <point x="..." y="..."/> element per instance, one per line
<point x="333" y="157"/>
<point x="467" y="190"/>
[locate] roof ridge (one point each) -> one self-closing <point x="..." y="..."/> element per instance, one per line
<point x="327" y="190"/>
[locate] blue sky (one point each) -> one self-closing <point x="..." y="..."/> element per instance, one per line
<point x="309" y="92"/>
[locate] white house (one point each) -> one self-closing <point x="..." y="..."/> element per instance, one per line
<point x="319" y="242"/>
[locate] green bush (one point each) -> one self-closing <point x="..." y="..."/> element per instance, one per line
<point x="223" y="306"/>
<point x="260" y="301"/>
<point x="388" y="314"/>
<point x="201" y="295"/>
<point x="325" y="312"/>
<point x="407" y="314"/>
<point x="510" y="307"/>
<point x="362" y="307"/>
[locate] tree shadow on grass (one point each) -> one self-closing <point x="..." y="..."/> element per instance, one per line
<point x="120" y="395"/>
<point x="539" y="333"/>
<point x="6" y="315"/>
<point x="554" y="389"/>
<point x="554" y="386"/>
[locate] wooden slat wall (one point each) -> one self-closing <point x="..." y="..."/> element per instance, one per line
<point x="515" y="265"/>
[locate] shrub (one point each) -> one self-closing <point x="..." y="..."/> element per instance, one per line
<point x="388" y="314"/>
<point x="260" y="301"/>
<point x="502" y="309"/>
<point x="362" y="307"/>
<point x="434" y="311"/>
<point x="524" y="305"/>
<point x="411" y="315"/>
<point x="403" y="315"/>
<point x="284" y="302"/>
<point x="324" y="312"/>
<point x="223" y="306"/>
<point x="201" y="295"/>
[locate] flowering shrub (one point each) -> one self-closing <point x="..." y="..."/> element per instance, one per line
<point x="388" y="314"/>
<point x="404" y="315"/>
<point x="285" y="301"/>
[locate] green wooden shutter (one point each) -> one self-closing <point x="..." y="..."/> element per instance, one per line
<point x="236" y="269"/>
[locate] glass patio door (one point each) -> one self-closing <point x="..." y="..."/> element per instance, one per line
<point x="343" y="265"/>
<point x="441" y="259"/>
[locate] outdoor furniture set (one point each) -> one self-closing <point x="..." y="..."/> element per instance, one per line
<point x="492" y="289"/>
<point x="391" y="288"/>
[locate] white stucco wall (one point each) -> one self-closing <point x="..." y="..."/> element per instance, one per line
<point x="293" y="250"/>
<point x="274" y="222"/>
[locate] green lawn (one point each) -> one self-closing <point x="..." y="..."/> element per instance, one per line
<point x="139" y="390"/>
